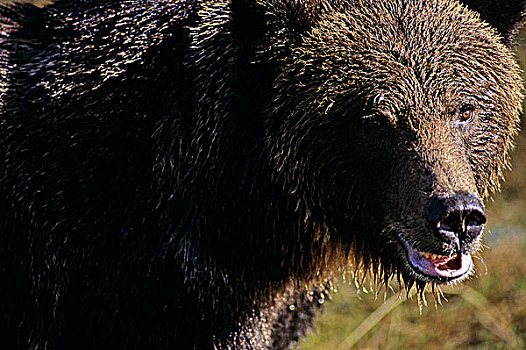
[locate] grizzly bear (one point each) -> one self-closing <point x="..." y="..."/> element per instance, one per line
<point x="190" y="174"/>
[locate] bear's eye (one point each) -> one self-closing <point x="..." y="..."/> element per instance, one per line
<point x="466" y="114"/>
<point x="374" y="123"/>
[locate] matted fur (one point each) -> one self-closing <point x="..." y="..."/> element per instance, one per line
<point x="195" y="174"/>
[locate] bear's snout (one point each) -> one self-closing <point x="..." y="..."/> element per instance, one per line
<point x="457" y="219"/>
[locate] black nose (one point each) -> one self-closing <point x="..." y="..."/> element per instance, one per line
<point x="456" y="218"/>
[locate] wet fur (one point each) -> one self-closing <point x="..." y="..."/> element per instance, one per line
<point x="193" y="174"/>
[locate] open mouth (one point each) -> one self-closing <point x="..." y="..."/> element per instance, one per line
<point x="438" y="266"/>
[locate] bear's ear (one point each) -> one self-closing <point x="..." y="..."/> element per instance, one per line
<point x="507" y="16"/>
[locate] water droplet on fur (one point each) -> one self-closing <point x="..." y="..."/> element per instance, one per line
<point x="292" y="307"/>
<point x="310" y="296"/>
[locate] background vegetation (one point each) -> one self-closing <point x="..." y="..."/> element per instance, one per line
<point x="488" y="312"/>
<point x="38" y="3"/>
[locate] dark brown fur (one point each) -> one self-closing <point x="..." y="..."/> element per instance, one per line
<point x="194" y="174"/>
<point x="416" y="74"/>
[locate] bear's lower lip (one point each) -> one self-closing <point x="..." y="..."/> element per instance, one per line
<point x="438" y="266"/>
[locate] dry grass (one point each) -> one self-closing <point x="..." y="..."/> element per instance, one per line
<point x="38" y="3"/>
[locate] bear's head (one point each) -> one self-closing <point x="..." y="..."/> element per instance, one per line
<point x="392" y="122"/>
